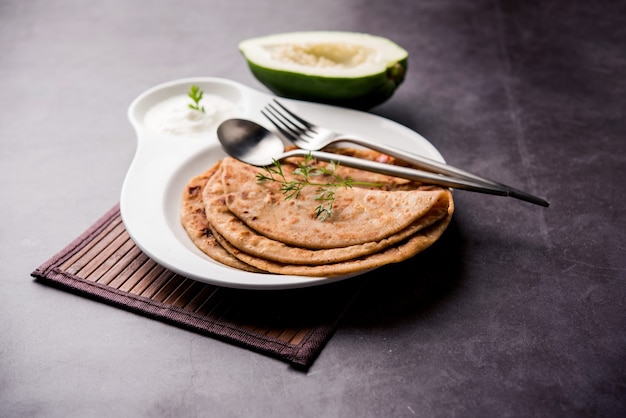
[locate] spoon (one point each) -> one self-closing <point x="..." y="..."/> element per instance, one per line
<point x="253" y="144"/>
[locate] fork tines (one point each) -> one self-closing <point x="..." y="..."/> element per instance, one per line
<point x="287" y="123"/>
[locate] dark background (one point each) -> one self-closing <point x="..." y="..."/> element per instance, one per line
<point x="517" y="311"/>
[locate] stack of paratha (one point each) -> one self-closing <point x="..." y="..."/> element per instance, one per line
<point x="248" y="224"/>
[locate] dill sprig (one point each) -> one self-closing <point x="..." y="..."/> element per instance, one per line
<point x="196" y="95"/>
<point x="305" y="172"/>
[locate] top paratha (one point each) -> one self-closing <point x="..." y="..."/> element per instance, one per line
<point x="242" y="237"/>
<point x="360" y="215"/>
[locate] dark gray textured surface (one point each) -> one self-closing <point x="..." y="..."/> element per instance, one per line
<point x="518" y="311"/>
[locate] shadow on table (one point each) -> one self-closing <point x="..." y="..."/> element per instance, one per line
<point x="413" y="288"/>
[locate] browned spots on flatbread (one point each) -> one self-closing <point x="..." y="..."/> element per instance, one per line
<point x="248" y="224"/>
<point x="197" y="226"/>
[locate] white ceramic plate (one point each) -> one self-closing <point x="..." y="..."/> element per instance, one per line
<point x="163" y="164"/>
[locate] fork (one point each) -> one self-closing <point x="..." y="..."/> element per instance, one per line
<point x="309" y="136"/>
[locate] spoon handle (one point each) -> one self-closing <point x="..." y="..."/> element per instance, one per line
<point x="417" y="175"/>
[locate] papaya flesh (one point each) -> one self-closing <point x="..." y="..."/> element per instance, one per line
<point x="340" y="68"/>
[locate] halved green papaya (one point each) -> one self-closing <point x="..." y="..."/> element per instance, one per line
<point x="348" y="69"/>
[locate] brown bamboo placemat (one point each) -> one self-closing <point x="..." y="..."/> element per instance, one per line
<point x="105" y="264"/>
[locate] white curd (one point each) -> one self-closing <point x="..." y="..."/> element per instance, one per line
<point x="174" y="116"/>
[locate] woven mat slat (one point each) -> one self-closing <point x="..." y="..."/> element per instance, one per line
<point x="105" y="264"/>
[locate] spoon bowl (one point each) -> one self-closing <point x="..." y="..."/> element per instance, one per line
<point x="249" y="142"/>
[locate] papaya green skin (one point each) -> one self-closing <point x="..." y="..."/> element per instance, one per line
<point x="358" y="93"/>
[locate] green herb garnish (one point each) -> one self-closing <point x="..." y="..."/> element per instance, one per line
<point x="326" y="191"/>
<point x="196" y="95"/>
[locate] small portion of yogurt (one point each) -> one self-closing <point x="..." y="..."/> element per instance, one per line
<point x="173" y="116"/>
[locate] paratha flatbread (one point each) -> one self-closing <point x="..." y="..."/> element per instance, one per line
<point x="394" y="254"/>
<point x="193" y="219"/>
<point x="242" y="237"/>
<point x="239" y="236"/>
<point x="359" y="215"/>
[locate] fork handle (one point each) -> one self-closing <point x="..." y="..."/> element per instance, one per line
<point x="433" y="166"/>
<point x="415" y="174"/>
<point x="419" y="161"/>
